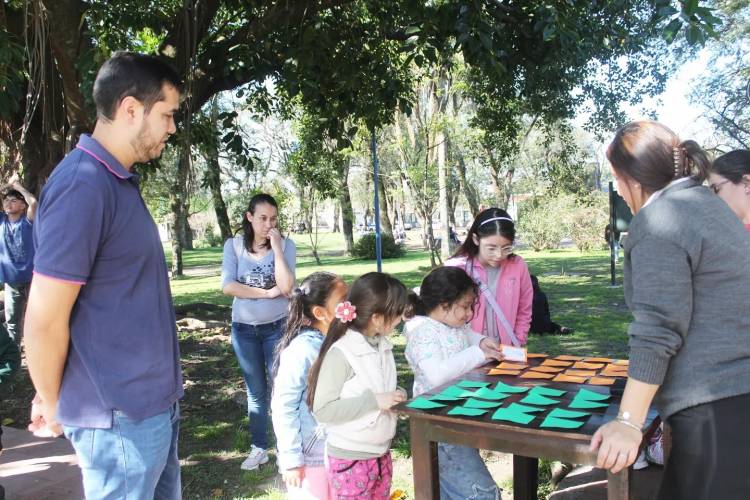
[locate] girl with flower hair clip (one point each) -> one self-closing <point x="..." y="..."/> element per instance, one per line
<point x="352" y="387"/>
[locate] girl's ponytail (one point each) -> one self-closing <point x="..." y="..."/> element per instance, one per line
<point x="415" y="306"/>
<point x="313" y="291"/>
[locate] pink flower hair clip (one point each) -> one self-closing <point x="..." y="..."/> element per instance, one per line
<point x="346" y="312"/>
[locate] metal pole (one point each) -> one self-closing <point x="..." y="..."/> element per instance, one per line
<point x="612" y="229"/>
<point x="375" y="174"/>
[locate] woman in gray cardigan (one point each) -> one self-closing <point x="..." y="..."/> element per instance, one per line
<point x="687" y="284"/>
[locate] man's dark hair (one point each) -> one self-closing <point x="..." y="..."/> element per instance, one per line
<point x="129" y="74"/>
<point x="13" y="193"/>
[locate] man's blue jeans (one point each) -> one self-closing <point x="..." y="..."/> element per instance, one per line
<point x="134" y="460"/>
<point x="254" y="346"/>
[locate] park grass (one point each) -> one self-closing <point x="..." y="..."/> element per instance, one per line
<point x="214" y="436"/>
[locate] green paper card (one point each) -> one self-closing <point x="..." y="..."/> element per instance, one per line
<point x="485" y="393"/>
<point x="471" y="384"/>
<point x="535" y="399"/>
<point x="583" y="404"/>
<point x="444" y="397"/>
<point x="467" y="412"/>
<point x="523" y="408"/>
<point x="478" y="403"/>
<point x="424" y="404"/>
<point x="561" y="413"/>
<point x="547" y="391"/>
<point x="591" y="395"/>
<point x="510" y="389"/>
<point x="456" y="392"/>
<point x="561" y="423"/>
<point x="512" y="416"/>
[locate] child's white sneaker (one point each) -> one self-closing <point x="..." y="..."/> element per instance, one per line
<point x="256" y="458"/>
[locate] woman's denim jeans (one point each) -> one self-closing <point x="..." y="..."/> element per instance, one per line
<point x="254" y="346"/>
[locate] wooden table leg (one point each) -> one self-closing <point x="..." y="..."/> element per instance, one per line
<point x="618" y="485"/>
<point x="424" y="459"/>
<point x="525" y="477"/>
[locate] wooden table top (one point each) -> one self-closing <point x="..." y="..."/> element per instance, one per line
<point x="598" y="416"/>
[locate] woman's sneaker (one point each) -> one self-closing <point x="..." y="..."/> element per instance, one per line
<point x="256" y="458"/>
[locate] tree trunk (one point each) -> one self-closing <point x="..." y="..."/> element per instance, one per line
<point x="220" y="207"/>
<point x="178" y="205"/>
<point x="213" y="177"/>
<point x="347" y="212"/>
<point x="444" y="232"/>
<point x="385" y="221"/>
<point x="336" y="210"/>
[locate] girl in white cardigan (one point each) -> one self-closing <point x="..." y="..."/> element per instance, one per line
<point x="441" y="346"/>
<point x="352" y="388"/>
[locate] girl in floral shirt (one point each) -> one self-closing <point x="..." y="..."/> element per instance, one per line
<point x="441" y="346"/>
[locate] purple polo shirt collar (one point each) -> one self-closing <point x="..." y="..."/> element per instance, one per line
<point x="91" y="147"/>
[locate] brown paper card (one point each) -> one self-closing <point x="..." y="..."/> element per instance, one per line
<point x="567" y="378"/>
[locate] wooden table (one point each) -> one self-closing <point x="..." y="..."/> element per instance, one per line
<point x="527" y="444"/>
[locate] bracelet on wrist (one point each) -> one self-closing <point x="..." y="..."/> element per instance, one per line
<point x="626" y="422"/>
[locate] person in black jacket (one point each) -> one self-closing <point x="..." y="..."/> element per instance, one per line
<point x="541" y="322"/>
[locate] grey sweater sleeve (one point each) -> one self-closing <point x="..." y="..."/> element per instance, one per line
<point x="661" y="303"/>
<point x="328" y="406"/>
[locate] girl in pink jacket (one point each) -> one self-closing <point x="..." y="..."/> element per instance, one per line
<point x="503" y="311"/>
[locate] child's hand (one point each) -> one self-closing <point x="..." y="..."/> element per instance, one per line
<point x="387" y="400"/>
<point x="293" y="477"/>
<point x="491" y="349"/>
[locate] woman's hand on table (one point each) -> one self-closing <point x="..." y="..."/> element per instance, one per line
<point x="491" y="349"/>
<point x="618" y="446"/>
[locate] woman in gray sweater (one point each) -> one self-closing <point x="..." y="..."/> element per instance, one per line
<point x="687" y="284"/>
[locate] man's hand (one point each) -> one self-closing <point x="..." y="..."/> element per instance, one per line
<point x="43" y="423"/>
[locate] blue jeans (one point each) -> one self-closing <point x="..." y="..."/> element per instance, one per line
<point x="254" y="346"/>
<point x="133" y="460"/>
<point x="464" y="475"/>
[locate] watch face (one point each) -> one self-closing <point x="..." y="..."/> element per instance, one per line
<point x="626" y="415"/>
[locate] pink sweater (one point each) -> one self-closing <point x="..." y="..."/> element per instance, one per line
<point x="514" y="295"/>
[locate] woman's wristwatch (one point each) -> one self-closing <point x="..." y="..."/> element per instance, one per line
<point x="624" y="419"/>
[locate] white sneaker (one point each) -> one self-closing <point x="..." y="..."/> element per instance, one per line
<point x="256" y="458"/>
<point x="640" y="462"/>
<point x="655" y="453"/>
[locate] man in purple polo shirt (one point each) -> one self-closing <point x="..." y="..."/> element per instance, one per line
<point x="101" y="342"/>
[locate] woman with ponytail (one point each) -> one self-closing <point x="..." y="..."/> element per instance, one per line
<point x="300" y="441"/>
<point x="687" y="284"/>
<point x="441" y="346"/>
<point x="505" y="293"/>
<point x="258" y="271"/>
